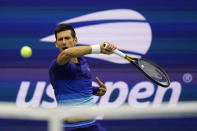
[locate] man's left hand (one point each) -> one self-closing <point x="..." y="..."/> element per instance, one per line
<point x="102" y="89"/>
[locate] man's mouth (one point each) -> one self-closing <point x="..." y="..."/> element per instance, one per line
<point x="64" y="48"/>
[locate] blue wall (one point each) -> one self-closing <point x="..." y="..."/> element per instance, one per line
<point x="173" y="45"/>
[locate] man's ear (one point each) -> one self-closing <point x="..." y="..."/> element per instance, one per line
<point x="75" y="40"/>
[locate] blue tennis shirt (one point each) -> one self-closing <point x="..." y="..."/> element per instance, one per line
<point x="72" y="84"/>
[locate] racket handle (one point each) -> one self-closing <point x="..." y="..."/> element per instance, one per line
<point x="121" y="54"/>
<point x="117" y="52"/>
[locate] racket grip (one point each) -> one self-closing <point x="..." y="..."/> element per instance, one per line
<point x="117" y="52"/>
<point x="121" y="54"/>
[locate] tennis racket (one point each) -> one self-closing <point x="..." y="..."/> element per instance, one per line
<point x="151" y="70"/>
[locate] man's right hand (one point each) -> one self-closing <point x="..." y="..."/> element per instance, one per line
<point x="108" y="49"/>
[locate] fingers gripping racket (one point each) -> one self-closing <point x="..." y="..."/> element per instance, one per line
<point x="151" y="70"/>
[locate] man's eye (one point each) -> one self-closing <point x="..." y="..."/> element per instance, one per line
<point x="60" y="39"/>
<point x="67" y="38"/>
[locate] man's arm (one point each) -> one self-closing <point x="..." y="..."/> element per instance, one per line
<point x="75" y="52"/>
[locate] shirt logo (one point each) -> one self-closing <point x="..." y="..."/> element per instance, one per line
<point x="88" y="69"/>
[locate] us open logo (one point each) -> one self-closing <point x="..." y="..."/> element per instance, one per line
<point x="125" y="28"/>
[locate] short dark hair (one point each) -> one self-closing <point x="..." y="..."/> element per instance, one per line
<point x="63" y="27"/>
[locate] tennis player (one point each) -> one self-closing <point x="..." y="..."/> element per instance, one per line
<point x="71" y="78"/>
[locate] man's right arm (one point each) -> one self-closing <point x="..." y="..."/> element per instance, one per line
<point x="78" y="51"/>
<point x="73" y="52"/>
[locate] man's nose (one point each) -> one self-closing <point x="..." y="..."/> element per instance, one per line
<point x="64" y="41"/>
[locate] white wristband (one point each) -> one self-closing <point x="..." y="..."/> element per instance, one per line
<point x="96" y="49"/>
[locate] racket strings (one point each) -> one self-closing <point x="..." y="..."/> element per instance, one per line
<point x="153" y="71"/>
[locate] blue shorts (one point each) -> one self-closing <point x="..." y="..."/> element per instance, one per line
<point x="92" y="127"/>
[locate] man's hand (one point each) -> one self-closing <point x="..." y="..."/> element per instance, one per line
<point x="109" y="49"/>
<point x="102" y="89"/>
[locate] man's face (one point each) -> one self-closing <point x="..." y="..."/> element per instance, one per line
<point x="65" y="40"/>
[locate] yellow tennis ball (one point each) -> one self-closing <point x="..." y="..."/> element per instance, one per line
<point x="26" y="51"/>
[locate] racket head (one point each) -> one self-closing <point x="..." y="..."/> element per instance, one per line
<point x="151" y="71"/>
